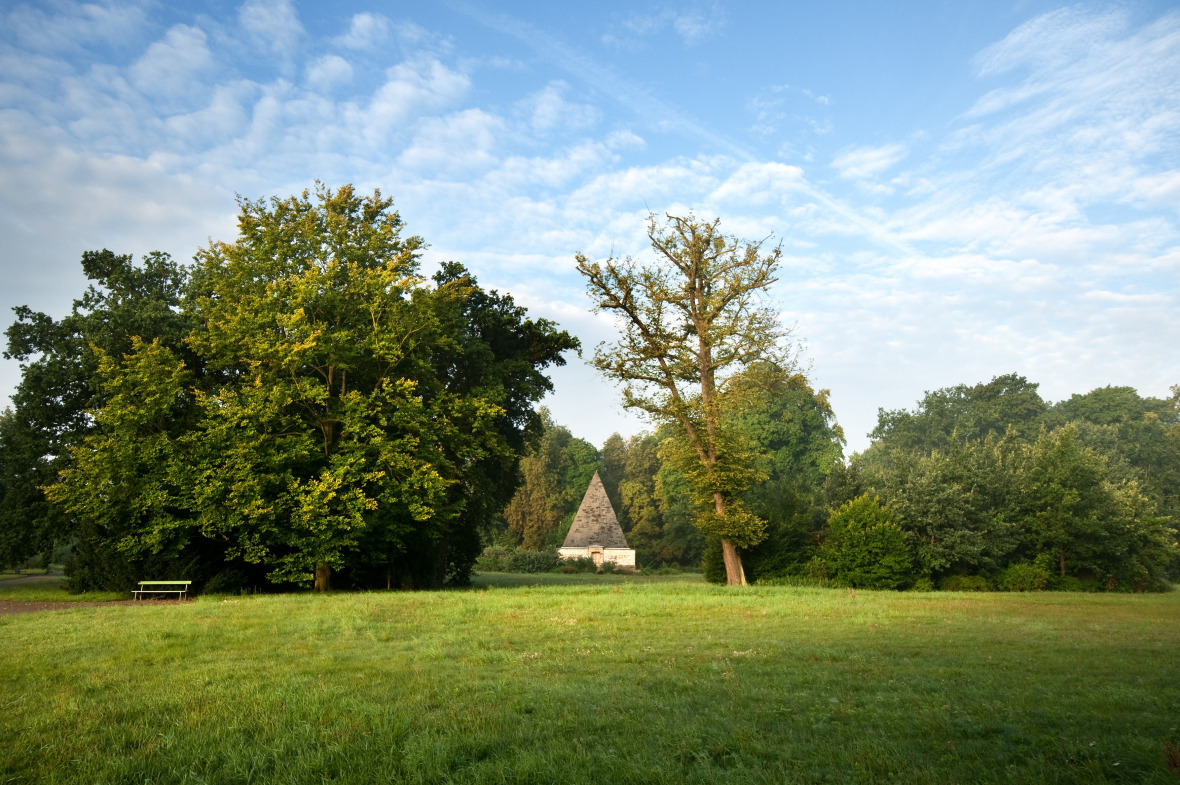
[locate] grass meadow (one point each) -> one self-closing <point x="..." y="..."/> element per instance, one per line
<point x="527" y="679"/>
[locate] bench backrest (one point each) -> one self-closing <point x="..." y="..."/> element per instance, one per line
<point x="164" y="583"/>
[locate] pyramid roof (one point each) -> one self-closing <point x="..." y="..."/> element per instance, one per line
<point x="595" y="524"/>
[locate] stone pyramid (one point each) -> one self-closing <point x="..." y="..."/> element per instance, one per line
<point x="595" y="525"/>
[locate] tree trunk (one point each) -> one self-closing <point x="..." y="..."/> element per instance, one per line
<point x="1063" y="564"/>
<point x="322" y="573"/>
<point x="440" y="566"/>
<point x="734" y="574"/>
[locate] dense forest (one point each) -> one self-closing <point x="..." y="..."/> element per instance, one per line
<point x="301" y="407"/>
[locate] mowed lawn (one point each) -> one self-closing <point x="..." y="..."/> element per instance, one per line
<point x="656" y="681"/>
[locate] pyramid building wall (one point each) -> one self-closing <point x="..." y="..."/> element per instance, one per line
<point x="596" y="533"/>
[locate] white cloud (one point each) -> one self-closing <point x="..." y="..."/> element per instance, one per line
<point x="549" y="111"/>
<point x="865" y="163"/>
<point x="366" y="31"/>
<point x="411" y="87"/>
<point x="172" y="66"/>
<point x="754" y="184"/>
<point x="60" y="28"/>
<point x="456" y="144"/>
<point x="272" y="24"/>
<point x="328" y="72"/>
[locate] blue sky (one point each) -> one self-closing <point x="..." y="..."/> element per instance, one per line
<point x="961" y="189"/>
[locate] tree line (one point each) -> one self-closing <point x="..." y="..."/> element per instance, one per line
<point x="302" y="407"/>
<point x="986" y="486"/>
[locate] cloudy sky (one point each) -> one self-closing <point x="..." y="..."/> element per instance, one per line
<point x="961" y="189"/>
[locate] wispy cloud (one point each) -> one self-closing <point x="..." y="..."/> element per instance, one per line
<point x="865" y="163"/>
<point x="549" y="110"/>
<point x="773" y="105"/>
<point x="692" y="24"/>
<point x="61" y="28"/>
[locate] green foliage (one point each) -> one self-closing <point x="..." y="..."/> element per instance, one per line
<point x="712" y="561"/>
<point x="964" y="583"/>
<point x="656" y="504"/>
<point x="866" y="548"/>
<point x="791" y="530"/>
<point x="794" y="429"/>
<point x="579" y="564"/>
<point x="1081" y="523"/>
<point x="1086" y="499"/>
<point x="61" y="384"/>
<point x="497" y="558"/>
<point x="1023" y="577"/>
<point x="963" y="413"/>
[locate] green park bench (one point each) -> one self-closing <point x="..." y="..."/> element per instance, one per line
<point x="179" y="588"/>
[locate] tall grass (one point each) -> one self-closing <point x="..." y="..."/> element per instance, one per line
<point x="605" y="682"/>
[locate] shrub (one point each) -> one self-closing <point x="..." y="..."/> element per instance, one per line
<point x="1023" y="577"/>
<point x="712" y="561"/>
<point x="533" y="561"/>
<point x="498" y="558"/>
<point x="1072" y="583"/>
<point x="493" y="559"/>
<point x="923" y="584"/>
<point x="866" y="548"/>
<point x="576" y="565"/>
<point x="964" y="583"/>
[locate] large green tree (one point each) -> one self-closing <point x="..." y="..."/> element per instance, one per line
<point x="334" y="412"/>
<point x="689" y="322"/>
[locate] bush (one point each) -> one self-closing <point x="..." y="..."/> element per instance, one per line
<point x="712" y="560"/>
<point x="493" y="559"/>
<point x="1072" y="583"/>
<point x="1023" y="577"/>
<point x="923" y="584"/>
<point x="576" y="565"/>
<point x="533" y="561"/>
<point x="964" y="583"/>
<point x="864" y="547"/>
<point x="499" y="558"/>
